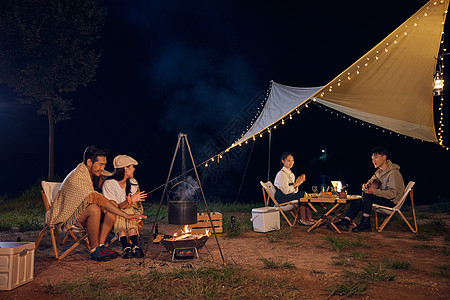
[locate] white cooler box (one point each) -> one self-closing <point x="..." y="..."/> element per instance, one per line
<point x="265" y="219"/>
<point x="16" y="264"/>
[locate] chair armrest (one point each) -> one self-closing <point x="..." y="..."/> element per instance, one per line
<point x="288" y="203"/>
<point x="382" y="207"/>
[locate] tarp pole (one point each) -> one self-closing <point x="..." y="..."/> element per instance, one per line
<point x="268" y="163"/>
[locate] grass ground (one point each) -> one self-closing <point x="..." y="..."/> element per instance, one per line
<point x="289" y="263"/>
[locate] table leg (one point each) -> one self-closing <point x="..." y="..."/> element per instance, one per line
<point x="325" y="216"/>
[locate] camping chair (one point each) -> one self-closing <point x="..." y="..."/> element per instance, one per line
<point x="390" y="211"/>
<point x="49" y="191"/>
<point x="269" y="193"/>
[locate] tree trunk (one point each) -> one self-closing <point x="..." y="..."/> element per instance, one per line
<point x="51" y="125"/>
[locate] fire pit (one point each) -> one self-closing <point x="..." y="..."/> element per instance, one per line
<point x="186" y="245"/>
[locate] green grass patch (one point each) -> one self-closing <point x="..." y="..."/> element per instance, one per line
<point x="241" y="225"/>
<point x="443" y="270"/>
<point x="24" y="213"/>
<point x="432" y="229"/>
<point x="442" y="205"/>
<point x="279" y="235"/>
<point x="396" y="264"/>
<point x="272" y="263"/>
<point x="346" y="259"/>
<point x="89" y="287"/>
<point x="293" y="244"/>
<point x="22" y="220"/>
<point x="227" y="282"/>
<point x="29" y="199"/>
<point x="340" y="243"/>
<point x="357" y="282"/>
<point x="348" y="289"/>
<point x="445" y="250"/>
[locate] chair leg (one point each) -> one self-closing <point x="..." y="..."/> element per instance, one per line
<point x="41" y="235"/>
<point x="55" y="250"/>
<point x="376" y="219"/>
<point x="296" y="209"/>
<point x="266" y="200"/>
<point x="386" y="221"/>
<point x="76" y="244"/>
<point x="58" y="238"/>
<point x="115" y="238"/>
<point x="65" y="239"/>
<point x="284" y="215"/>
<point x="413" y="211"/>
<point x="407" y="223"/>
<point x="52" y="236"/>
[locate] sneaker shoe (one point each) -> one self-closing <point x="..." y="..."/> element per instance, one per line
<point x="111" y="253"/>
<point x="342" y="224"/>
<point x="137" y="251"/>
<point x="100" y="255"/>
<point x="127" y="253"/>
<point x="305" y="222"/>
<point x="363" y="226"/>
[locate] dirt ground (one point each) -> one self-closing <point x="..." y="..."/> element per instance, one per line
<point x="315" y="269"/>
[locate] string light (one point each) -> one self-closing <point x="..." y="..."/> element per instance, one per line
<point x="354" y="70"/>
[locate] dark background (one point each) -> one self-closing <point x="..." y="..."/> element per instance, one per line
<point x="203" y="68"/>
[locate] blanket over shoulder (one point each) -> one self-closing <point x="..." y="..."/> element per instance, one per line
<point x="72" y="198"/>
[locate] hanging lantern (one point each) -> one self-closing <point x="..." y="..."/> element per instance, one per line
<point x="438" y="83"/>
<point x="438" y="76"/>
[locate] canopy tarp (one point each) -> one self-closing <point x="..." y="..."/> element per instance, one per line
<point x="282" y="100"/>
<point x="391" y="86"/>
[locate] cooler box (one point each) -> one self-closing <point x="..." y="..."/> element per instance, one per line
<point x="265" y="219"/>
<point x="16" y="264"/>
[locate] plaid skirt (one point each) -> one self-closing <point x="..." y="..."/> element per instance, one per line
<point x="123" y="224"/>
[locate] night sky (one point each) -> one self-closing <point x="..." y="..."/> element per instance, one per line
<point x="203" y="68"/>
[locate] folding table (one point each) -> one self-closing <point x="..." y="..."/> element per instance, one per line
<point x="335" y="201"/>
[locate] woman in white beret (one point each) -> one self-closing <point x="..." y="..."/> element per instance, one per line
<point x="122" y="188"/>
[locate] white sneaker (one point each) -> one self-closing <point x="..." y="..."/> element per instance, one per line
<point x="306" y="222"/>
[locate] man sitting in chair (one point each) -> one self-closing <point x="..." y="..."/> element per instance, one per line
<point x="386" y="187"/>
<point x="78" y="203"/>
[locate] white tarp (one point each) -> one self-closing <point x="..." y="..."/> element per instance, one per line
<point x="391" y="86"/>
<point x="282" y="100"/>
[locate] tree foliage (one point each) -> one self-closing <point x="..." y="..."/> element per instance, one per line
<point x="46" y="49"/>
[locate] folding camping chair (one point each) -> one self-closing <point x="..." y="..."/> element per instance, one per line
<point x="49" y="191"/>
<point x="269" y="193"/>
<point x="390" y="211"/>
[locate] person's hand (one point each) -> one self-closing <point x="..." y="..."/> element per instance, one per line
<point x="300" y="179"/>
<point x="364" y="186"/>
<point x="369" y="190"/>
<point x="136" y="197"/>
<point x="134" y="217"/>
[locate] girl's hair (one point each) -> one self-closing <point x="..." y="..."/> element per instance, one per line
<point x="118" y="175"/>
<point x="284" y="155"/>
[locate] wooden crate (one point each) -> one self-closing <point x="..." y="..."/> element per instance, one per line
<point x="203" y="223"/>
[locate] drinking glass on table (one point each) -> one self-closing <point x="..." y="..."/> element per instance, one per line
<point x="314" y="189"/>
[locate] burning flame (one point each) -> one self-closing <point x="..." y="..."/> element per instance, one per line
<point x="186" y="234"/>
